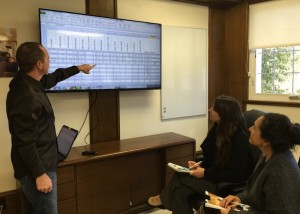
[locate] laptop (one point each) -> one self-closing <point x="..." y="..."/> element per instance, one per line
<point x="65" y="140"/>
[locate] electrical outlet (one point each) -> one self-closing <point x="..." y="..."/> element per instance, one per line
<point x="2" y="203"/>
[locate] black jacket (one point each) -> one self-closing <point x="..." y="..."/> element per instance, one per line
<point x="31" y="123"/>
<point x="239" y="167"/>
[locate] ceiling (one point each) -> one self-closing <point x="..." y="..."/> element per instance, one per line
<point x="221" y="3"/>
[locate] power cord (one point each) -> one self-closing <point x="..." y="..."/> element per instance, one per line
<point x="87" y="113"/>
<point x="91" y="131"/>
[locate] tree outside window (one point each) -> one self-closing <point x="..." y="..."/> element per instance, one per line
<point x="278" y="70"/>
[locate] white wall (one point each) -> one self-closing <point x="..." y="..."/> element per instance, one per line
<point x="139" y="110"/>
<point x="146" y="104"/>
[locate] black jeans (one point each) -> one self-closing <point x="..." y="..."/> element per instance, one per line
<point x="175" y="195"/>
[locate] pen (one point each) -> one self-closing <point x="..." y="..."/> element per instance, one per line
<point x="246" y="206"/>
<point x="198" y="163"/>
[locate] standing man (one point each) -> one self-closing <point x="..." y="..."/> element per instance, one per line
<point x="30" y="115"/>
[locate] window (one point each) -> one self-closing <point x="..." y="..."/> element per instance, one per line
<point x="274" y="43"/>
<point x="277" y="70"/>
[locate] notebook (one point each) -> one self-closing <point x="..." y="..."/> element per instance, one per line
<point x="65" y="140"/>
<point x="179" y="168"/>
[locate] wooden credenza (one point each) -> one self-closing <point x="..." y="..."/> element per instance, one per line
<point x="122" y="176"/>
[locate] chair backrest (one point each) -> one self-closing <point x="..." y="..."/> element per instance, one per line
<point x="251" y="115"/>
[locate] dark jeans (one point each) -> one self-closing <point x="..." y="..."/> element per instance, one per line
<point x="38" y="202"/>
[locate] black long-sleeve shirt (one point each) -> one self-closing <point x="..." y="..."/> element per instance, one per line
<point x="31" y="123"/>
<point x="238" y="169"/>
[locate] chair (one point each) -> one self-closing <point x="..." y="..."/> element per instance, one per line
<point x="251" y="115"/>
<point x="229" y="188"/>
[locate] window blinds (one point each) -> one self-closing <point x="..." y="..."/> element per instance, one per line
<point x="274" y="23"/>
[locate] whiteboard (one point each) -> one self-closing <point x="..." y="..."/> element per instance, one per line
<point x="184" y="72"/>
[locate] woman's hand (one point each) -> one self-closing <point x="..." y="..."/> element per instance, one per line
<point x="198" y="172"/>
<point x="230" y="201"/>
<point x="191" y="164"/>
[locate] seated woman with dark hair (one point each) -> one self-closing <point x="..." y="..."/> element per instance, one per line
<point x="274" y="186"/>
<point x="226" y="158"/>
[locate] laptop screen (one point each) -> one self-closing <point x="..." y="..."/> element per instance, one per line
<point x="65" y="140"/>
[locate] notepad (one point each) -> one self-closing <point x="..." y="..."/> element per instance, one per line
<point x="179" y="168"/>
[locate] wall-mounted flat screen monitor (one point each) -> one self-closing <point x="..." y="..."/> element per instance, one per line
<point x="127" y="53"/>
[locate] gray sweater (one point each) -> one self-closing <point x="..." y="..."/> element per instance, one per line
<point x="276" y="190"/>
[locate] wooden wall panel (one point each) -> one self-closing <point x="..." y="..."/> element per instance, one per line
<point x="104" y="116"/>
<point x="228" y="52"/>
<point x="104" y="111"/>
<point x="216" y="59"/>
<point x="107" y="8"/>
<point x="236" y="51"/>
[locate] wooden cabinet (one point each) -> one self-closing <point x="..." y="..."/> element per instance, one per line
<point x="122" y="176"/>
<point x="66" y="190"/>
<point x="146" y="176"/>
<point x="103" y="186"/>
<point x="180" y="155"/>
<point x="119" y="184"/>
